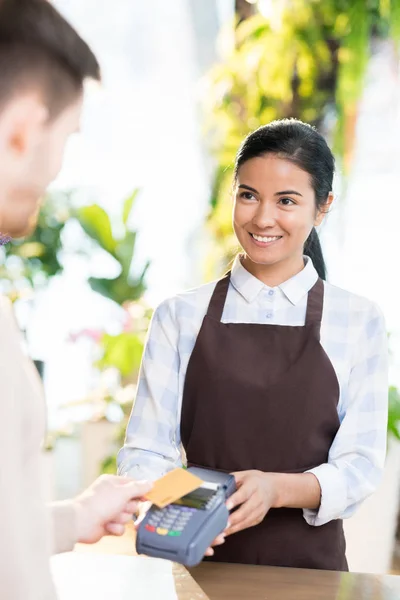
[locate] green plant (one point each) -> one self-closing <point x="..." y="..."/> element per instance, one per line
<point x="109" y="464"/>
<point x="111" y="400"/>
<point x="394" y="413"/>
<point x="118" y="361"/>
<point x="123" y="352"/>
<point x="97" y="225"/>
<point x="29" y="263"/>
<point x="119" y="352"/>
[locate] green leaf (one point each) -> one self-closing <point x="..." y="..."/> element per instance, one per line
<point x="121" y="288"/>
<point x="123" y="351"/>
<point x="137" y="286"/>
<point x="252" y="28"/>
<point x="125" y="250"/>
<point x="394" y="413"/>
<point x="109" y="465"/>
<point x="96" y="223"/>
<point x="103" y="286"/>
<point x="31" y="250"/>
<point x="128" y="205"/>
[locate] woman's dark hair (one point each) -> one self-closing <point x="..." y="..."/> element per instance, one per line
<point x="302" y="145"/>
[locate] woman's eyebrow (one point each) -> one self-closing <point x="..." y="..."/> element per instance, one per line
<point x="288" y="192"/>
<point x="247" y="187"/>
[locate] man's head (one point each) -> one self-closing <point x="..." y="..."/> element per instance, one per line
<point x="43" y="66"/>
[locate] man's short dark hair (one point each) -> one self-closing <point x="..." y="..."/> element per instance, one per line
<point x="40" y="49"/>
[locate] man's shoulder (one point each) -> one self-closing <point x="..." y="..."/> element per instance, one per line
<point x="7" y="317"/>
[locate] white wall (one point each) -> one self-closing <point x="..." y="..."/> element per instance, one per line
<point x="361" y="239"/>
<point x="361" y="242"/>
<point x="141" y="129"/>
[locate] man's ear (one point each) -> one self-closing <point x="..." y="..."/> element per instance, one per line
<point x="21" y="123"/>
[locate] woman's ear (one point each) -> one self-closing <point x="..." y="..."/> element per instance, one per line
<point x="323" y="210"/>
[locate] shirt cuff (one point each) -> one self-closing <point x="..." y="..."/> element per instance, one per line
<point x="64" y="525"/>
<point x="333" y="496"/>
<point x="142" y="473"/>
<point x="145" y="466"/>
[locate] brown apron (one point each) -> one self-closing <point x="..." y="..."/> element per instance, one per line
<point x="265" y="397"/>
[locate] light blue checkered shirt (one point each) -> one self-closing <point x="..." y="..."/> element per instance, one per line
<point x="354" y="337"/>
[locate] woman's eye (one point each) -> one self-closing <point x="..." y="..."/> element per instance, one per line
<point x="287" y="201"/>
<point x="247" y="196"/>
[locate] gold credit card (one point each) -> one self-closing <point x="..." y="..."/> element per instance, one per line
<point x="172" y="486"/>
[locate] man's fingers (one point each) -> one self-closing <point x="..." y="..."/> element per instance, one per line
<point x="115" y="528"/>
<point x="123" y="518"/>
<point x="120" y="480"/>
<point x="132" y="507"/>
<point x="136" y="489"/>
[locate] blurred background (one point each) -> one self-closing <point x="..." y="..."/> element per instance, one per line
<point x="142" y="207"/>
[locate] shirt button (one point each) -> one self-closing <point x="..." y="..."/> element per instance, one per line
<point x="269" y="315"/>
<point x="271" y="293"/>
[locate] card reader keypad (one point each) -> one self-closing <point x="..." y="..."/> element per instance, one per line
<point x="171" y="520"/>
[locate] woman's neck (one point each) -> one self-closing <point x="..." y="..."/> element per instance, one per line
<point x="276" y="273"/>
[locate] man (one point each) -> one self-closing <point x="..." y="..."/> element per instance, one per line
<point x="43" y="66"/>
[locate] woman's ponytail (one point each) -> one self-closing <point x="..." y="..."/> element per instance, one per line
<point x="312" y="248"/>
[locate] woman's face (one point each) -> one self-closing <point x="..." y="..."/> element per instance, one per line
<point x="274" y="209"/>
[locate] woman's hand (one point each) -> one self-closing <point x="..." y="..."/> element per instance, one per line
<point x="257" y="493"/>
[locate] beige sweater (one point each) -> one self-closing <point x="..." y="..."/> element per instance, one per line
<point x="26" y="524"/>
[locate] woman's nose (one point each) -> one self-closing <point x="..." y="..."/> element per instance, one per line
<point x="265" y="216"/>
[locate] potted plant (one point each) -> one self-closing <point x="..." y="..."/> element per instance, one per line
<point x="118" y="355"/>
<point x="110" y="402"/>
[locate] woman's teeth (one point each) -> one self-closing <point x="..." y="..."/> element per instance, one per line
<point x="265" y="240"/>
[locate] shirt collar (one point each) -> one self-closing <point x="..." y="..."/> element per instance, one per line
<point x="294" y="288"/>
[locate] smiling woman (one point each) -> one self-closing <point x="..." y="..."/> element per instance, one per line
<point x="283" y="178"/>
<point x="271" y="373"/>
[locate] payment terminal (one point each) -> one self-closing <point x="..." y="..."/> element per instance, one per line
<point x="183" y="531"/>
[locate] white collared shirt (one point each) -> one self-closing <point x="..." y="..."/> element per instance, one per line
<point x="352" y="334"/>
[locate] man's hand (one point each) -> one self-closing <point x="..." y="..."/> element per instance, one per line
<point x="256" y="494"/>
<point x="107" y="505"/>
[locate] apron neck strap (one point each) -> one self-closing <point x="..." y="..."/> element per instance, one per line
<point x="315" y="304"/>
<point x="217" y="302"/>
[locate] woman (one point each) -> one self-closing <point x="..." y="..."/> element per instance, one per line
<point x="271" y="373"/>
